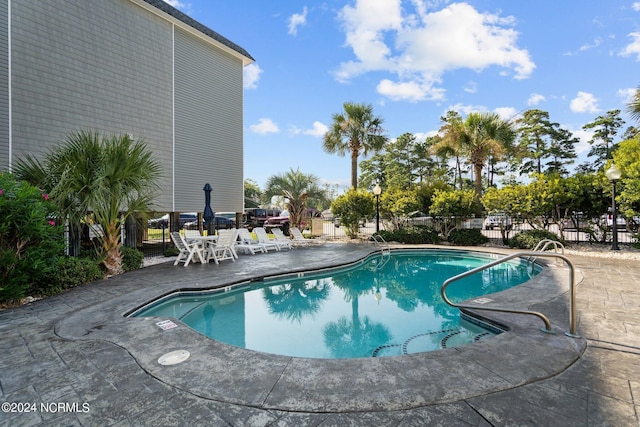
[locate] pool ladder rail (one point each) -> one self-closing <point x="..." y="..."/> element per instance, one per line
<point x="379" y="241"/>
<point x="531" y="255"/>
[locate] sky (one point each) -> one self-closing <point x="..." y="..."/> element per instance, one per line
<point x="414" y="60"/>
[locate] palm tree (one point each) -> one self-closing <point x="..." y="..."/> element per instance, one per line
<point x="478" y="137"/>
<point x="103" y="179"/>
<point x="299" y="189"/>
<point x="634" y="106"/>
<point x="355" y="131"/>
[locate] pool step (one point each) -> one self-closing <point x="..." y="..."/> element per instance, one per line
<point x="429" y="341"/>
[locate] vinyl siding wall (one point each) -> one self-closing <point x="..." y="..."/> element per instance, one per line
<point x="107" y="65"/>
<point x="208" y="125"/>
<point x="4" y="86"/>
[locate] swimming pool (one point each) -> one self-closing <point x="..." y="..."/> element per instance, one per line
<point x="380" y="306"/>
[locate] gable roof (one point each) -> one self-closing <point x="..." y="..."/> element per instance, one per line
<point x="186" y="19"/>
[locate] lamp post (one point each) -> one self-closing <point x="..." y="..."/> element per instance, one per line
<point x="613" y="174"/>
<point x="377" y="190"/>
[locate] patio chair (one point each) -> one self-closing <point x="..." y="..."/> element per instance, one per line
<point x="247" y="243"/>
<point x="223" y="248"/>
<point x="298" y="237"/>
<point x="281" y="238"/>
<point x="264" y="239"/>
<point x="187" y="250"/>
<point x="191" y="233"/>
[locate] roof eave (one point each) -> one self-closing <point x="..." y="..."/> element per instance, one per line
<point x="164" y="10"/>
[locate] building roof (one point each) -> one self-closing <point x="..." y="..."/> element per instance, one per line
<point x="186" y="19"/>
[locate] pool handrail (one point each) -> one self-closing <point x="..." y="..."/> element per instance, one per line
<point x="380" y="242"/>
<point x="572" y="300"/>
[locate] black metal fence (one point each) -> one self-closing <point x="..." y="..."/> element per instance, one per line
<point x="155" y="241"/>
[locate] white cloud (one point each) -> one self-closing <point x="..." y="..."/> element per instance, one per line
<point x="251" y="75"/>
<point x="465" y="110"/>
<point x="179" y="4"/>
<point x="634" y="47"/>
<point x="318" y="130"/>
<point x="535" y="99"/>
<point x="409" y="91"/>
<point x="264" y="127"/>
<point x="506" y="113"/>
<point x="471" y="87"/>
<point x="584" y="136"/>
<point x="296" y="20"/>
<point x="627" y="95"/>
<point x="636" y="6"/>
<point x="584" y="103"/>
<point x="596" y="43"/>
<point x="419" y="48"/>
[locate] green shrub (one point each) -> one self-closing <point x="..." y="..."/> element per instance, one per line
<point x="351" y="207"/>
<point x="467" y="237"/>
<point x="71" y="272"/>
<point x="528" y="239"/>
<point x="418" y="234"/>
<point x="171" y="251"/>
<point x="131" y="258"/>
<point x="29" y="238"/>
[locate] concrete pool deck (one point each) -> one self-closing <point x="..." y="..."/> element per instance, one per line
<point x="77" y="348"/>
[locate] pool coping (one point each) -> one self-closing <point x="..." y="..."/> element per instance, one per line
<point x="224" y="373"/>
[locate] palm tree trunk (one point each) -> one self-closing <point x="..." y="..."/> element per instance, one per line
<point x="477" y="169"/>
<point x="354" y="169"/>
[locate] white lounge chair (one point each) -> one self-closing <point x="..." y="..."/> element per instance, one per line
<point x="223" y="247"/>
<point x="187" y="250"/>
<point x="281" y="238"/>
<point x="247" y="243"/>
<point x="264" y="239"/>
<point x="297" y="236"/>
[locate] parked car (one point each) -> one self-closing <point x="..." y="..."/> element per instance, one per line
<point x="256" y="217"/>
<point x="162" y="222"/>
<point x="577" y="221"/>
<point x="219" y="222"/>
<point x="496" y="220"/>
<point x="606" y="220"/>
<point x="418" y="218"/>
<point x="277" y="221"/>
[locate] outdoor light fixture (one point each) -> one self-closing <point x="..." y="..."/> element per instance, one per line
<point x="613" y="174"/>
<point x="377" y="191"/>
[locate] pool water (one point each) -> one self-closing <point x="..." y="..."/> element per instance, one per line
<point x="383" y="306"/>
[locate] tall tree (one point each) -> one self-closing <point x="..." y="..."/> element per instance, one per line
<point x="300" y="190"/>
<point x="450" y="143"/>
<point x="561" y="151"/>
<point x="105" y="178"/>
<point x="535" y="129"/>
<point x="355" y="131"/>
<point x="606" y="127"/>
<point x="479" y="136"/>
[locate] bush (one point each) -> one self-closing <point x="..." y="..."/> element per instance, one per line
<point x="171" y="251"/>
<point x="528" y="239"/>
<point x="418" y="234"/>
<point x="71" y="272"/>
<point x="131" y="258"/>
<point x="467" y="237"/>
<point x="29" y="238"/>
<point x="351" y="207"/>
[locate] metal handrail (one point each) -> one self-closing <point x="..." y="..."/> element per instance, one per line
<point x="543" y="245"/>
<point x="382" y="244"/>
<point x="572" y="300"/>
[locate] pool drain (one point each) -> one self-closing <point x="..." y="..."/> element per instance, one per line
<point x="174" y="357"/>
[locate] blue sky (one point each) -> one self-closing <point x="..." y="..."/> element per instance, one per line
<point x="413" y="60"/>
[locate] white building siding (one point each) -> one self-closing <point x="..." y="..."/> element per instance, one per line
<point x="208" y="126"/>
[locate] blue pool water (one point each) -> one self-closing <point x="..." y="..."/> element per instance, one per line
<point x="382" y="306"/>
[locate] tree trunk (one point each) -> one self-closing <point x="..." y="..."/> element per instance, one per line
<point x="477" y="168"/>
<point x="354" y="169"/>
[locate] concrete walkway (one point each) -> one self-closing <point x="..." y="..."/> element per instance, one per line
<point x="75" y="360"/>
